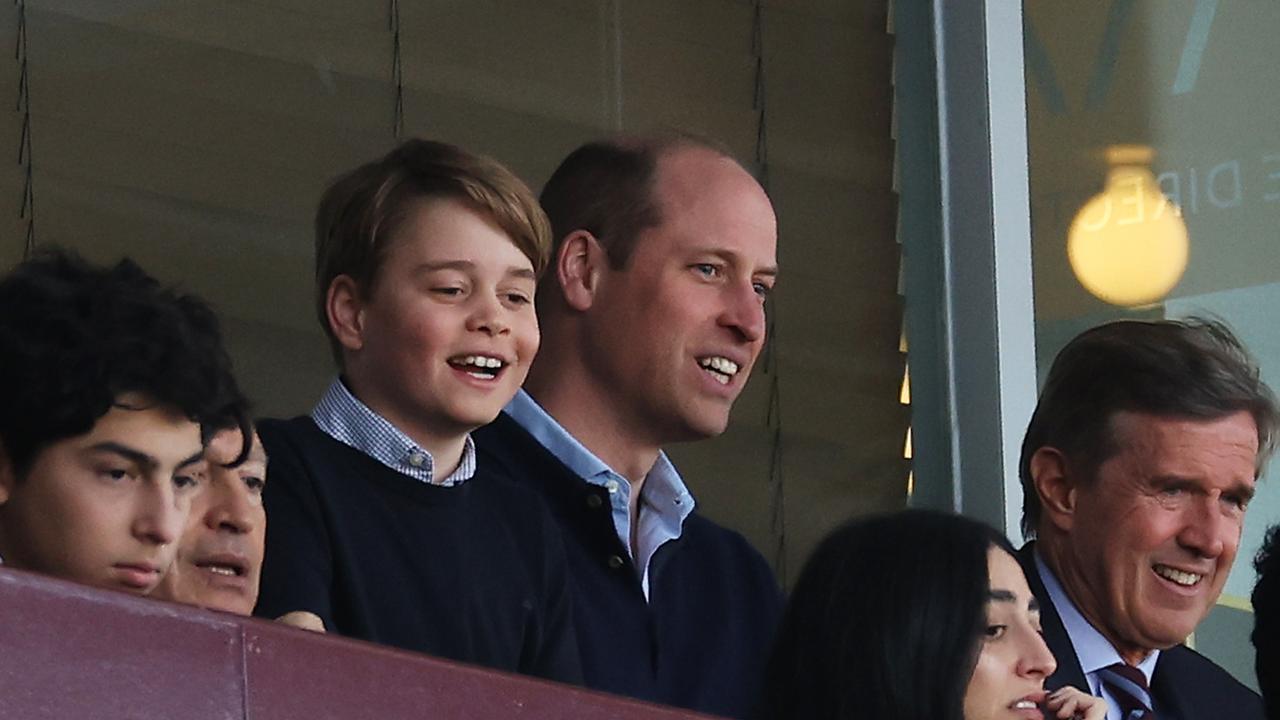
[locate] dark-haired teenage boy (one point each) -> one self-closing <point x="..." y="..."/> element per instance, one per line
<point x="382" y="525"/>
<point x="109" y="380"/>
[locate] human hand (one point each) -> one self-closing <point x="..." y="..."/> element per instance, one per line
<point x="1069" y="703"/>
<point x="303" y="619"/>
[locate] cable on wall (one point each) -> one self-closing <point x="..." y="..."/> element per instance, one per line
<point x="773" y="416"/>
<point x="28" y="207"/>
<point x="397" y="71"/>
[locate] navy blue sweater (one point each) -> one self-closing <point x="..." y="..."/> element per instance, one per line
<point x="702" y="639"/>
<point x="472" y="573"/>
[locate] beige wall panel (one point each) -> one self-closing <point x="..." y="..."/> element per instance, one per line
<point x="722" y="26"/>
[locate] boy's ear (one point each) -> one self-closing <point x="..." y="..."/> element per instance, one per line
<point x="345" y="312"/>
<point x="1055" y="486"/>
<point x="578" y="266"/>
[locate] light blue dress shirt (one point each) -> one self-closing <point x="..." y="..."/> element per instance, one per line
<point x="343" y="417"/>
<point x="1094" y="651"/>
<point x="665" y="502"/>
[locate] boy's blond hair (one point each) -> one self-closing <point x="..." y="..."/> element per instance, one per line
<point x="362" y="211"/>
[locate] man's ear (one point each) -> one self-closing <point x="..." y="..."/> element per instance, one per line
<point x="578" y="267"/>
<point x="345" y="312"/>
<point x="1055" y="486"/>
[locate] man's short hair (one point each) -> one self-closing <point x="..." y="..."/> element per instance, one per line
<point x="606" y="188"/>
<point x="362" y="210"/>
<point x="1191" y="369"/>
<point x="1266" y="621"/>
<point x="74" y="337"/>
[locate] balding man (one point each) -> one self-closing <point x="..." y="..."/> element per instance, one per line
<point x="652" y="316"/>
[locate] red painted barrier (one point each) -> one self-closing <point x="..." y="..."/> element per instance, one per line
<point x="68" y="651"/>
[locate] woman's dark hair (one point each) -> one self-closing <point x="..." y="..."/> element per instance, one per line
<point x="884" y="622"/>
<point x="74" y="337"/>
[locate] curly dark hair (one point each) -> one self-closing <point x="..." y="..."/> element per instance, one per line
<point x="885" y="622"/>
<point x="74" y="337"/>
<point x="1191" y="369"/>
<point x="1266" y="621"/>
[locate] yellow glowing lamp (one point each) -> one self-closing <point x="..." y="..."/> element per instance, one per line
<point x="1128" y="245"/>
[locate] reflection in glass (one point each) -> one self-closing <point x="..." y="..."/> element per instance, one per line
<point x="1128" y="245"/>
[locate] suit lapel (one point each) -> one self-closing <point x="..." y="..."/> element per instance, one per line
<point x="1055" y="635"/>
<point x="1173" y="687"/>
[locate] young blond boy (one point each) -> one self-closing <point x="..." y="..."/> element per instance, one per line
<point x="382" y="525"/>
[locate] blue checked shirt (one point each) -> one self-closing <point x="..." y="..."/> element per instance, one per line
<point x="342" y="416"/>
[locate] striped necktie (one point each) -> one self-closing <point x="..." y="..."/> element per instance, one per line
<point x="1128" y="686"/>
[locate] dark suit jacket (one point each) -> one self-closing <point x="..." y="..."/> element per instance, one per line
<point x="1186" y="685"/>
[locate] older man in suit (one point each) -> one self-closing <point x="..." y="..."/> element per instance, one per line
<point x="1137" y="469"/>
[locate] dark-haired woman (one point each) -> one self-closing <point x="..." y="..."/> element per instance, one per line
<point x="915" y="616"/>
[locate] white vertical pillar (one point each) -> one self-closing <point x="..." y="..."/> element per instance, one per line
<point x="979" y="328"/>
<point x="1011" y="229"/>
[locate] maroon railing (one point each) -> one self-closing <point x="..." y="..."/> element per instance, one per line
<point x="68" y="651"/>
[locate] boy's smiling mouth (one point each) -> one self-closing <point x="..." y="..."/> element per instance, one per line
<point x="481" y="367"/>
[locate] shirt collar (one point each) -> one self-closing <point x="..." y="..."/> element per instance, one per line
<point x="1092" y="649"/>
<point x="664" y="488"/>
<point x="343" y="417"/>
<point x="551" y="434"/>
<point x="667" y="501"/>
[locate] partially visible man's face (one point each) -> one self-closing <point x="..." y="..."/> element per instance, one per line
<point x="1155" y="533"/>
<point x="105" y="508"/>
<point x="676" y="332"/>
<point x="220" y="556"/>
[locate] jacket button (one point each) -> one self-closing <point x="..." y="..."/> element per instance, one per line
<point x="594" y="501"/>
<point x="615" y="562"/>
